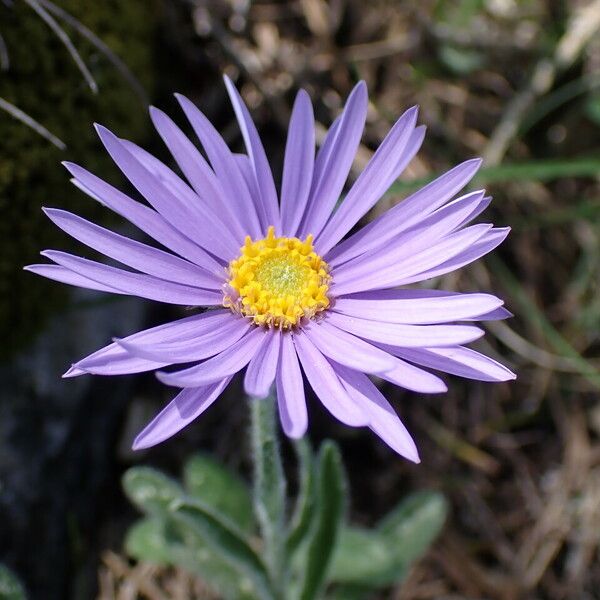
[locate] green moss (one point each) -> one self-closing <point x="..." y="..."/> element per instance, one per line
<point x="45" y="83"/>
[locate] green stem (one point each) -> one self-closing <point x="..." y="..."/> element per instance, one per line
<point x="269" y="488"/>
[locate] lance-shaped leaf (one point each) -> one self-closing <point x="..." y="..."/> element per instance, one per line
<point x="329" y="514"/>
<point x="363" y="556"/>
<point x="300" y="524"/>
<point x="156" y="540"/>
<point x="380" y="557"/>
<point x="415" y="524"/>
<point x="198" y="523"/>
<point x="226" y="541"/>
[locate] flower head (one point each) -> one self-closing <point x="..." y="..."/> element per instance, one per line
<point x="286" y="291"/>
<point x="278" y="281"/>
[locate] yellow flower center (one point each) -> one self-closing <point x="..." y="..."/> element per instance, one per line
<point x="277" y="281"/>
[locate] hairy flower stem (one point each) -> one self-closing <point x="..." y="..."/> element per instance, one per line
<point x="269" y="488"/>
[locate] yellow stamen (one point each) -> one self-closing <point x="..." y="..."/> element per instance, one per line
<point x="278" y="281"/>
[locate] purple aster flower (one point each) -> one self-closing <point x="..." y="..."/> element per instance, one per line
<point x="286" y="291"/>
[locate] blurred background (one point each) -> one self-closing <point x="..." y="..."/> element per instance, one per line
<point x="514" y="81"/>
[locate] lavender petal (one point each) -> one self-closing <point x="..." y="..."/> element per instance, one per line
<point x="189" y="404"/>
<point x="211" y="231"/>
<point x="132" y="253"/>
<point x="263" y="366"/>
<point x="378" y="175"/>
<point x="409" y="212"/>
<point x="477" y="210"/>
<point x="264" y="178"/>
<point x="383" y="420"/>
<point x="223" y="332"/>
<point x="298" y="164"/>
<point x="493" y="238"/>
<point x="418" y="294"/>
<point x="136" y="284"/>
<point x="413" y="378"/>
<point x="347" y="349"/>
<point x="185" y="217"/>
<point x="423" y="311"/>
<point x="406" y="244"/>
<point x="225" y="167"/>
<point x="326" y="190"/>
<point x="457" y="360"/>
<point x="385" y="274"/>
<point x="197" y="171"/>
<point x="228" y="362"/>
<point x="115" y="360"/>
<point x="148" y="220"/>
<point x="62" y="275"/>
<point x="290" y="391"/>
<point x="407" y="336"/>
<point x="495" y="315"/>
<point x="247" y="172"/>
<point x="326" y="384"/>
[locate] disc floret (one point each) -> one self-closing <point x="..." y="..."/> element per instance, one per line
<point x="278" y="281"/>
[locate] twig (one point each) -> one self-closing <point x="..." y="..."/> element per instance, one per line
<point x="380" y="49"/>
<point x="460" y="448"/>
<point x="140" y="577"/>
<point x="18" y="114"/>
<point x="64" y="38"/>
<point x="100" y="45"/>
<point x="534" y="354"/>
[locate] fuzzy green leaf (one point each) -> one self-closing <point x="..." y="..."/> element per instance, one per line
<point x="301" y="520"/>
<point x="147" y="540"/>
<point x="382" y="556"/>
<point x="329" y="514"/>
<point x="214" y="485"/>
<point x="194" y="518"/>
<point x="152" y="491"/>
<point x="197" y="525"/>
<point x="269" y="487"/>
<point x="364" y="557"/>
<point x="412" y="527"/>
<point x="158" y="541"/>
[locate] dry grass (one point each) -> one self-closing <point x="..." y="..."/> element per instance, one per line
<point x="119" y="580"/>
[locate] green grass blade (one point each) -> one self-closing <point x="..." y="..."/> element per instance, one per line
<point x="540" y="170"/>
<point x="532" y="313"/>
